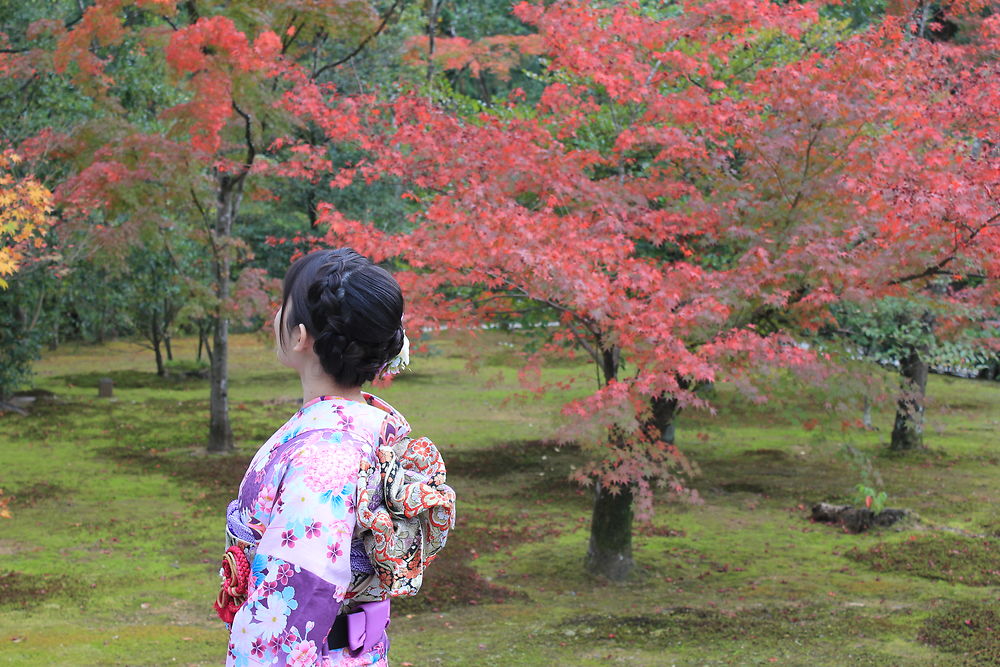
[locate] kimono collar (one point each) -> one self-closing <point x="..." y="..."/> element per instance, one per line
<point x="370" y="399"/>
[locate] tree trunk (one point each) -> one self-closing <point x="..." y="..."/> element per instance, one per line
<point x="166" y="344"/>
<point x="154" y="338"/>
<point x="665" y="412"/>
<point x="161" y="370"/>
<point x="610" y="551"/>
<point x="220" y="432"/>
<point x="432" y="16"/>
<point x="908" y="430"/>
<point x="202" y="340"/>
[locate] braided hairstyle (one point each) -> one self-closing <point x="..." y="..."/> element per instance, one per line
<point x="352" y="308"/>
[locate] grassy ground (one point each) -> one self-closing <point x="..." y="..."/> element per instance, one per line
<point x="112" y="554"/>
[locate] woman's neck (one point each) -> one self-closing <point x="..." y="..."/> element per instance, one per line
<point x="323" y="385"/>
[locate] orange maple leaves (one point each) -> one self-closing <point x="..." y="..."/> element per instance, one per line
<point x="24" y="215"/>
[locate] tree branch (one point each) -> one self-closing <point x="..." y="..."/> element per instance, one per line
<point x="251" y="149"/>
<point x="362" y="45"/>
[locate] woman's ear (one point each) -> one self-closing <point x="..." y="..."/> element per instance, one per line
<point x="303" y="341"/>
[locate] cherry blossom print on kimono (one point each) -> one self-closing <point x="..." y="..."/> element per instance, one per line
<point x="298" y="500"/>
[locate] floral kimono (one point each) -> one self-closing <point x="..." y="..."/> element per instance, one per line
<point x="298" y="505"/>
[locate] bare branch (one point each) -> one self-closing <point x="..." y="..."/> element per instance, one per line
<point x="362" y="45"/>
<point x="251" y="149"/>
<point x="197" y="203"/>
<point x="936" y="269"/>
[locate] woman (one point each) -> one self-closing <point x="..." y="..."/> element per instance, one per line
<point x="300" y="513"/>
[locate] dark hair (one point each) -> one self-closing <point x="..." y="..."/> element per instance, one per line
<point x="351" y="307"/>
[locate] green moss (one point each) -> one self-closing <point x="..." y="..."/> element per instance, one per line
<point x="120" y="508"/>
<point x="971" y="629"/>
<point x="952" y="558"/>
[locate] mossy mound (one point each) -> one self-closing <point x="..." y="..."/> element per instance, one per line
<point x="970" y="628"/>
<point x="952" y="558"/>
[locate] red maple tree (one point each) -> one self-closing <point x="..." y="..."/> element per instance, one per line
<point x="691" y="191"/>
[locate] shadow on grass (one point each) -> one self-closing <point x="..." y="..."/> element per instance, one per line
<point x="30" y="495"/>
<point x="511" y="458"/>
<point x="19" y="590"/>
<point x="134" y="380"/>
<point x="686" y="624"/>
<point x="532" y="471"/>
<point x="775" y="474"/>
<point x="209" y="481"/>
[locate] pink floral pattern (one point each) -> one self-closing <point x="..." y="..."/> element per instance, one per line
<point x="299" y="494"/>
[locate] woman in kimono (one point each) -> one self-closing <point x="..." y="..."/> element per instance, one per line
<point x="339" y="326"/>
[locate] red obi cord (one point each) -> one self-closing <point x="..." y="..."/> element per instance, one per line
<point x="235" y="579"/>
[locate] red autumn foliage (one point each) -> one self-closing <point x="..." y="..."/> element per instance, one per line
<point x="689" y="192"/>
<point x="686" y="195"/>
<point x="497" y="54"/>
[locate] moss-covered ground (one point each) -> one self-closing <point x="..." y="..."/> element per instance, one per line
<point x="112" y="554"/>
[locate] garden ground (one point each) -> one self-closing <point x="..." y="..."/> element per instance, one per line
<point x="112" y="555"/>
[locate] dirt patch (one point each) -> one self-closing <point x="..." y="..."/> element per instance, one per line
<point x="513" y="457"/>
<point x="952" y="558"/>
<point x="37" y="394"/>
<point x="31" y="494"/>
<point x="971" y="629"/>
<point x="451" y="581"/>
<point x="742" y="487"/>
<point x="768" y="474"/>
<point x="448" y="583"/>
<point x="19" y="590"/>
<point x="766" y="454"/>
<point x="688" y="624"/>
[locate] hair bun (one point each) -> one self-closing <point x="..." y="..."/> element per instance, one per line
<point x="352" y="308"/>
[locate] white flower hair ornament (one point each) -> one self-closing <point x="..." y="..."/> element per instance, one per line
<point x="396" y="365"/>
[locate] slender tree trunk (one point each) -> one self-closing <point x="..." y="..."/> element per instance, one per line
<point x="154" y="338"/>
<point x="102" y="329"/>
<point x="866" y="417"/>
<point x="432" y="18"/>
<point x="610" y="550"/>
<point x="908" y="430"/>
<point x="166" y="345"/>
<point x="220" y="436"/>
<point x="202" y="340"/>
<point x="161" y="370"/>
